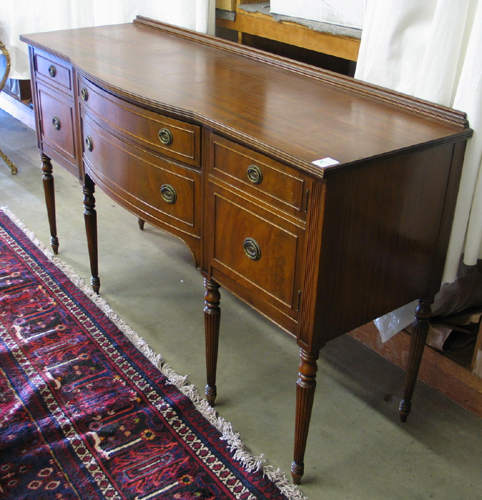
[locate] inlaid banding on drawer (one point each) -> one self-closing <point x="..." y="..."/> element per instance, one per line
<point x="248" y="246"/>
<point x="57" y="122"/>
<point x="140" y="179"/>
<point x="53" y="70"/>
<point x="174" y="138"/>
<point x="258" y="175"/>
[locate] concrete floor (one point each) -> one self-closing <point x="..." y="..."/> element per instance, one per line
<point x="357" y="448"/>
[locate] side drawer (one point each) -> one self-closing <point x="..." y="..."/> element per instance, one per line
<point x="258" y="250"/>
<point x="141" y="182"/>
<point x="56" y="119"/>
<point x="174" y="138"/>
<point x="54" y="71"/>
<point x="258" y="175"/>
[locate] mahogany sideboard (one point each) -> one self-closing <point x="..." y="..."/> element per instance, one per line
<point x="321" y="201"/>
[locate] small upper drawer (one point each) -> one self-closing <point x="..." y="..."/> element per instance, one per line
<point x="267" y="179"/>
<point x="57" y="72"/>
<point x="174" y="138"/>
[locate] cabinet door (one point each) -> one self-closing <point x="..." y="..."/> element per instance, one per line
<point x="57" y="131"/>
<point x="256" y="254"/>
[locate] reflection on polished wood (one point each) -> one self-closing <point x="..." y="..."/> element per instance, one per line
<point x="216" y="146"/>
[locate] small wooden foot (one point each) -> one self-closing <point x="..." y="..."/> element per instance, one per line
<point x="305" y="394"/>
<point x="417" y="344"/>
<point x="90" y="218"/>
<point x="212" y="317"/>
<point x="141" y="223"/>
<point x="48" y="182"/>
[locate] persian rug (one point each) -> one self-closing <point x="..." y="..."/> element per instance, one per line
<point x="88" y="411"/>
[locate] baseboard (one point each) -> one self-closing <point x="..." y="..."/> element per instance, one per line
<point x="18" y="109"/>
<point x="442" y="374"/>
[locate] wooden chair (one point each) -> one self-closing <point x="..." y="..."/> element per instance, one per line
<point x="4" y="72"/>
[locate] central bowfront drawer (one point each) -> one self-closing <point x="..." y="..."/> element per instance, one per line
<point x="174" y="138"/>
<point x="142" y="182"/>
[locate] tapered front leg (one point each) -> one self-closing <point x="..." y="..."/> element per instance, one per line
<point x="417" y="343"/>
<point x="48" y="182"/>
<point x="305" y="394"/>
<point x="90" y="218"/>
<point x="212" y="317"/>
<point x="141" y="223"/>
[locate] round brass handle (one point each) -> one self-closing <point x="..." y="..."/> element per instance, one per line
<point x="165" y="136"/>
<point x="89" y="143"/>
<point x="255" y="175"/>
<point x="168" y="194"/>
<point x="84" y="94"/>
<point x="56" y="123"/>
<point x="252" y="249"/>
<point x="52" y="71"/>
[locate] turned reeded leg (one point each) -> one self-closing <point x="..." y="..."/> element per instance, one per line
<point x="417" y="343"/>
<point x="90" y="218"/>
<point x="48" y="182"/>
<point x="305" y="394"/>
<point x="212" y="316"/>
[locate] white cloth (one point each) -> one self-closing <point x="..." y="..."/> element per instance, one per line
<point x="198" y="15"/>
<point x="432" y="49"/>
<point x="30" y="16"/>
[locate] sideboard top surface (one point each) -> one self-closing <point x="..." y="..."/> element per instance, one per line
<point x="284" y="110"/>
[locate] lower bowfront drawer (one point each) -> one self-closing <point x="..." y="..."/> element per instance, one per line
<point x="143" y="183"/>
<point x="255" y="248"/>
<point x="176" y="139"/>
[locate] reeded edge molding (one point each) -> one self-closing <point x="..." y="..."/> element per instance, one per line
<point x="240" y="454"/>
<point x="409" y="103"/>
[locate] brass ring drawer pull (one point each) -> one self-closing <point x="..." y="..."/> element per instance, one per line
<point x="84" y="94"/>
<point x="165" y="136"/>
<point x="255" y="175"/>
<point x="89" y="143"/>
<point x="168" y="194"/>
<point x="52" y="71"/>
<point x="56" y="123"/>
<point x="252" y="249"/>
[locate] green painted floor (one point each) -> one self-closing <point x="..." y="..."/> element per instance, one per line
<point x="357" y="448"/>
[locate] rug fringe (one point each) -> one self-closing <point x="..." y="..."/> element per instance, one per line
<point x="133" y="336"/>
<point x="240" y="454"/>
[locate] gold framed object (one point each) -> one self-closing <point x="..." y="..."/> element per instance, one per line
<point x="4" y="52"/>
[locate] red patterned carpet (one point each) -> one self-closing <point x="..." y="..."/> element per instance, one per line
<point x="84" y="414"/>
